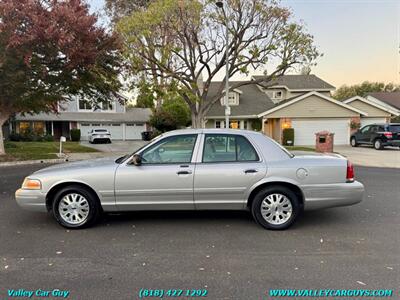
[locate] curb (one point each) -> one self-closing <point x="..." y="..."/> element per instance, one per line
<point x="32" y="162"/>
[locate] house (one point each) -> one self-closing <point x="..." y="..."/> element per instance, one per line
<point x="123" y="123"/>
<point x="390" y="100"/>
<point x="377" y="112"/>
<point x="302" y="102"/>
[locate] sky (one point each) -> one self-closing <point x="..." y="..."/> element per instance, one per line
<point x="359" y="39"/>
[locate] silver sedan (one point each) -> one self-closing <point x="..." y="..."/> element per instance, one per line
<point x="202" y="169"/>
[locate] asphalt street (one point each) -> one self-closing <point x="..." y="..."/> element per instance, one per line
<point x="355" y="247"/>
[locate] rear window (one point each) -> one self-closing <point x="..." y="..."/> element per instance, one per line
<point x="394" y="128"/>
<point x="100" y="130"/>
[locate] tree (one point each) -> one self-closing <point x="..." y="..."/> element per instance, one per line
<point x="49" y="51"/>
<point x="178" y="109"/>
<point x="117" y="9"/>
<point x="346" y="92"/>
<point x="174" y="113"/>
<point x="184" y="40"/>
<point x="146" y="95"/>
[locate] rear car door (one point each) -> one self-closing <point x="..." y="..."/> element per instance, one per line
<point x="227" y="166"/>
<point x="163" y="181"/>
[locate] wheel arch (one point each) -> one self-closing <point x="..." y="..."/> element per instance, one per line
<point x="293" y="187"/>
<point x="58" y="186"/>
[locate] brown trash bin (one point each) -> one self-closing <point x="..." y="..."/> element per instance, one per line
<point x="324" y="141"/>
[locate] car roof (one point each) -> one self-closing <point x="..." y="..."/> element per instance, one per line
<point x="209" y="130"/>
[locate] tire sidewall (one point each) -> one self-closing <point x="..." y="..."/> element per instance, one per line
<point x="353" y="142"/>
<point x="380" y="144"/>
<point x="261" y="195"/>
<point x="92" y="201"/>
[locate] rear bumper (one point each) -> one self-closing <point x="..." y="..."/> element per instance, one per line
<point x="395" y="143"/>
<point x="319" y="196"/>
<point x="33" y="200"/>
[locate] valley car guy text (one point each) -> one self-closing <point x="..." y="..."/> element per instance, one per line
<point x="38" y="293"/>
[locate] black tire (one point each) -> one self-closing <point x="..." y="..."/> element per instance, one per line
<point x="93" y="203"/>
<point x="263" y="194"/>
<point x="353" y="142"/>
<point x="378" y="144"/>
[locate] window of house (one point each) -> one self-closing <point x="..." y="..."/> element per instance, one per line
<point x="277" y="95"/>
<point x="85" y="104"/>
<point x="24" y="127"/>
<point x="174" y="149"/>
<point x="228" y="148"/>
<point x="233" y="99"/>
<point x="244" y="124"/>
<point x="217" y="124"/>
<point x="107" y="105"/>
<point x="234" y="124"/>
<point x="38" y="128"/>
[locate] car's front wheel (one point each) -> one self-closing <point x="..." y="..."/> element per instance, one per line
<point x="275" y="207"/>
<point x="353" y="142"/>
<point x="75" y="207"/>
<point x="378" y="144"/>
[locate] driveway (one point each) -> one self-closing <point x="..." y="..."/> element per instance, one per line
<point x="117" y="146"/>
<point x="225" y="252"/>
<point x="368" y="156"/>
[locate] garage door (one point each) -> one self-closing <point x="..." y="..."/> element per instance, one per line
<point x="367" y="121"/>
<point x="116" y="129"/>
<point x="134" y="131"/>
<point x="304" y="130"/>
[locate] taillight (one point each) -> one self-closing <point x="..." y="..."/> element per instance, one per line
<point x="350" y="172"/>
<point x="388" y="134"/>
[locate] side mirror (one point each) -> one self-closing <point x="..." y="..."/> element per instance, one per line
<point x="137" y="160"/>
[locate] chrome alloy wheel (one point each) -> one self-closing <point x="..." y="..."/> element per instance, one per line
<point x="276" y="209"/>
<point x="74" y="208"/>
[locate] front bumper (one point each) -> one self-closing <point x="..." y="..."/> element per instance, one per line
<point x="319" y="196"/>
<point x="33" y="200"/>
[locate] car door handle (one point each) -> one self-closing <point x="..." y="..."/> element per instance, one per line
<point x="250" y="171"/>
<point x="184" y="172"/>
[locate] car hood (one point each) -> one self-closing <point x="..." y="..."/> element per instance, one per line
<point x="77" y="165"/>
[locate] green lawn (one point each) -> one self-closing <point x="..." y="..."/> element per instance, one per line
<point x="40" y="150"/>
<point x="299" y="148"/>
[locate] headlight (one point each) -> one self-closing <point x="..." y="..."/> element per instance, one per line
<point x="31" y="184"/>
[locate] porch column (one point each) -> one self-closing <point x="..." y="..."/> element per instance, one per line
<point x="263" y="125"/>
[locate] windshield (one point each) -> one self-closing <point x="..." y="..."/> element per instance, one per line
<point x="100" y="130"/>
<point x="122" y="159"/>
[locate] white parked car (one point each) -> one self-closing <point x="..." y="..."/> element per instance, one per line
<point x="99" y="135"/>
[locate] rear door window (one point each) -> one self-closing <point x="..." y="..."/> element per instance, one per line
<point x="228" y="148"/>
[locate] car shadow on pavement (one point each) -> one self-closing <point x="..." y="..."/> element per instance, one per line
<point x="306" y="219"/>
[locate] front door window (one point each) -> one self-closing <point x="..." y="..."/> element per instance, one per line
<point x="174" y="149"/>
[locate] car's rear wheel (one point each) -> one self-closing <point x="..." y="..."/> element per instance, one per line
<point x="353" y="142"/>
<point x="275" y="207"/>
<point x="76" y="207"/>
<point x="378" y="144"/>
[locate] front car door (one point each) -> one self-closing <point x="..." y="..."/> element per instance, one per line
<point x="363" y="135"/>
<point x="227" y="166"/>
<point x="163" y="181"/>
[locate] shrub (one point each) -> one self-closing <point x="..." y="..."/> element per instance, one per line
<point x="75" y="135"/>
<point x="14" y="137"/>
<point x="256" y="124"/>
<point x="288" y="136"/>
<point x="48" y="138"/>
<point x="163" y="121"/>
<point x="355" y="125"/>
